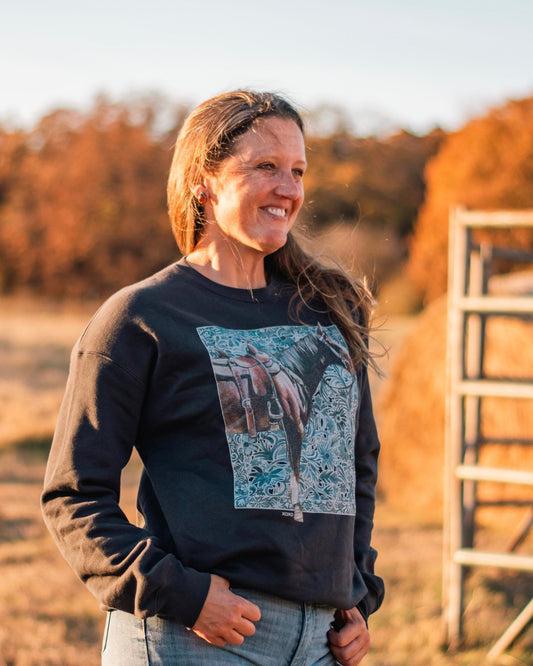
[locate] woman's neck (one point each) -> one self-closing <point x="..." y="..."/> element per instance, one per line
<point x="229" y="269"/>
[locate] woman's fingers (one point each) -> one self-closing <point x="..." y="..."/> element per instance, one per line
<point x="225" y="616"/>
<point x="246" y="613"/>
<point x="352" y="642"/>
<point x="237" y="635"/>
<point x="250" y="611"/>
<point x="245" y="627"/>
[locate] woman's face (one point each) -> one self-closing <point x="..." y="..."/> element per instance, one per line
<point x="255" y="195"/>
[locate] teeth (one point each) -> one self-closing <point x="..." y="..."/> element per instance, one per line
<point x="280" y="212"/>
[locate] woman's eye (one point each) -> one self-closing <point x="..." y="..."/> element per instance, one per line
<point x="299" y="173"/>
<point x="268" y="166"/>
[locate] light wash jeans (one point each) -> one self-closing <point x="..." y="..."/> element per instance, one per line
<point x="288" y="634"/>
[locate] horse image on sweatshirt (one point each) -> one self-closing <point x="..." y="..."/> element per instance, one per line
<point x="289" y="398"/>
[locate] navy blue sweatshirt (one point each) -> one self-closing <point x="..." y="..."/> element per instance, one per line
<point x="258" y="444"/>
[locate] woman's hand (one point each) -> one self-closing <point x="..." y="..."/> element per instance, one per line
<point x="225" y="617"/>
<point x="351" y="643"/>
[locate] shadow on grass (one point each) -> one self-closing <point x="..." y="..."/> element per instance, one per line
<point x="33" y="448"/>
<point x="23" y="461"/>
<point x="516" y="588"/>
<point x="494" y="600"/>
<point x="12" y="530"/>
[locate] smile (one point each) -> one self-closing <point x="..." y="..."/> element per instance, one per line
<point x="279" y="212"/>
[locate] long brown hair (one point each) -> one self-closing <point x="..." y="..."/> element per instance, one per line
<point x="206" y="138"/>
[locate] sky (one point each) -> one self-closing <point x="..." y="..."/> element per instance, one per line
<point x="414" y="64"/>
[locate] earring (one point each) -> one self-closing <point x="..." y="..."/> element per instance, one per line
<point x="202" y="198"/>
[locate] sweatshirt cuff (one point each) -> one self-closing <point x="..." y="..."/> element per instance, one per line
<point x="363" y="609"/>
<point x="188" y="603"/>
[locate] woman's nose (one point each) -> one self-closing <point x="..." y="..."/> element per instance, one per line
<point x="288" y="187"/>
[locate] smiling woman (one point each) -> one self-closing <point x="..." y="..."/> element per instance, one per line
<point x="237" y="157"/>
<point x="252" y="201"/>
<point x="240" y="376"/>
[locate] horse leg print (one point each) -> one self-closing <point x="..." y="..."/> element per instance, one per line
<point x="288" y="397"/>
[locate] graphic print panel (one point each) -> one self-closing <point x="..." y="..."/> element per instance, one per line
<point x="288" y="399"/>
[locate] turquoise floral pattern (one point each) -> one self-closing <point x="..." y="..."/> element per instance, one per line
<point x="261" y="467"/>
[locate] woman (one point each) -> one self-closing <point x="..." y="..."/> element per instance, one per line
<point x="240" y="376"/>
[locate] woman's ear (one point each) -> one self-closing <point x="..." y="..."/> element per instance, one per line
<point x="203" y="184"/>
<point x="209" y="186"/>
<point x="199" y="192"/>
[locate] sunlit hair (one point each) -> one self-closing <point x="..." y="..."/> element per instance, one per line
<point x="205" y="140"/>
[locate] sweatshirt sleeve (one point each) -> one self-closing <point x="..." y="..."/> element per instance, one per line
<point x="366" y="458"/>
<point x="122" y="565"/>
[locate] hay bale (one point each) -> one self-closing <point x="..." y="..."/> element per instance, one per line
<point x="411" y="413"/>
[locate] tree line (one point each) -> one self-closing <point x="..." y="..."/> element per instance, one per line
<point x="83" y="194"/>
<point x="487" y="164"/>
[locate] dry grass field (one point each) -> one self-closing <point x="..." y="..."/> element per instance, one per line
<point x="47" y="618"/>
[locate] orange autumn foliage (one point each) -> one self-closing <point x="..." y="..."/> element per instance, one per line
<point x="378" y="181"/>
<point x="486" y="165"/>
<point x="83" y="195"/>
<point x="85" y="207"/>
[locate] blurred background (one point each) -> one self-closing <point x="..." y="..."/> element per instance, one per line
<point x="410" y="108"/>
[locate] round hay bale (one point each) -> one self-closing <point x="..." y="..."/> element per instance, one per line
<point x="411" y="413"/>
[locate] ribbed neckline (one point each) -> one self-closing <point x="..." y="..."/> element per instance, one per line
<point x="268" y="293"/>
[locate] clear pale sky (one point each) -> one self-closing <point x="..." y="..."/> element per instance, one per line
<point x="413" y="63"/>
